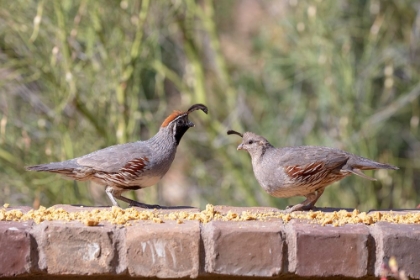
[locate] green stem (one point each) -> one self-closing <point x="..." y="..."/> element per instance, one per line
<point x="121" y="90"/>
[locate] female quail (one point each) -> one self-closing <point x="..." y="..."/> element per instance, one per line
<point x="301" y="171"/>
<point x="129" y="166"/>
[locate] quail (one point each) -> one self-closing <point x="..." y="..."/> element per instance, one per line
<point x="129" y="166"/>
<point x="303" y="170"/>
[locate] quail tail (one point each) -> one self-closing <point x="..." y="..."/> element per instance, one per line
<point x="40" y="167"/>
<point x="64" y="168"/>
<point x="367" y="164"/>
<point x="355" y="165"/>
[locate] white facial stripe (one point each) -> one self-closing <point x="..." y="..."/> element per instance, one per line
<point x="174" y="130"/>
<point x="180" y="116"/>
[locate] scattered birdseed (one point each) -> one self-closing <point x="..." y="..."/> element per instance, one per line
<point x="126" y="217"/>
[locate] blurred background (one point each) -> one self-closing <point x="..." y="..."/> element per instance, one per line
<point x="77" y="76"/>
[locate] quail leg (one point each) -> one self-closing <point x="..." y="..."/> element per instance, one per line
<point x="109" y="192"/>
<point x="309" y="202"/>
<point x="116" y="194"/>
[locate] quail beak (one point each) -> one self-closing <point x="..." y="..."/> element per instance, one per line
<point x="190" y="124"/>
<point x="240" y="147"/>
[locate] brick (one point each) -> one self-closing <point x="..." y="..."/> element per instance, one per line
<point x="165" y="250"/>
<point x="169" y="250"/>
<point x="224" y="209"/>
<point x="73" y="248"/>
<point x="400" y="241"/>
<point x="23" y="209"/>
<point x="164" y="209"/>
<point x="252" y="248"/>
<point x="75" y="208"/>
<point x="171" y="209"/>
<point x="316" y="250"/>
<point x="15" y="252"/>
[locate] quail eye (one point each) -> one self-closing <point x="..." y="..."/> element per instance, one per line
<point x="250" y="142"/>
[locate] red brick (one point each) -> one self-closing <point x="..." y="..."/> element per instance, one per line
<point x="165" y="250"/>
<point x="23" y="209"/>
<point x="400" y="241"/>
<point x="164" y="209"/>
<point x="73" y="248"/>
<point x="74" y="208"/>
<point x="251" y="248"/>
<point x="316" y="250"/>
<point x="169" y="250"/>
<point x="224" y="209"/>
<point x="15" y="252"/>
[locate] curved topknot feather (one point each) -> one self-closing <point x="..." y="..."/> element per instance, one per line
<point x="198" y="107"/>
<point x="230" y="132"/>
<point x="177" y="114"/>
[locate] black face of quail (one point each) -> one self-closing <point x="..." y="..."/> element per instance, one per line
<point x="181" y="126"/>
<point x="180" y="123"/>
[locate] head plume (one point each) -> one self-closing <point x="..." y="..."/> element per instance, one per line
<point x="197" y="107"/>
<point x="230" y="132"/>
<point x="177" y="114"/>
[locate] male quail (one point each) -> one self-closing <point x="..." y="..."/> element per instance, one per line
<point x="130" y="166"/>
<point x="301" y="171"/>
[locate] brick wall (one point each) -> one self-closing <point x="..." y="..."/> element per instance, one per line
<point x="216" y="249"/>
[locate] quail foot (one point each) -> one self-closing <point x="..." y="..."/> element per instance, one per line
<point x="129" y="166"/>
<point x="301" y="171"/>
